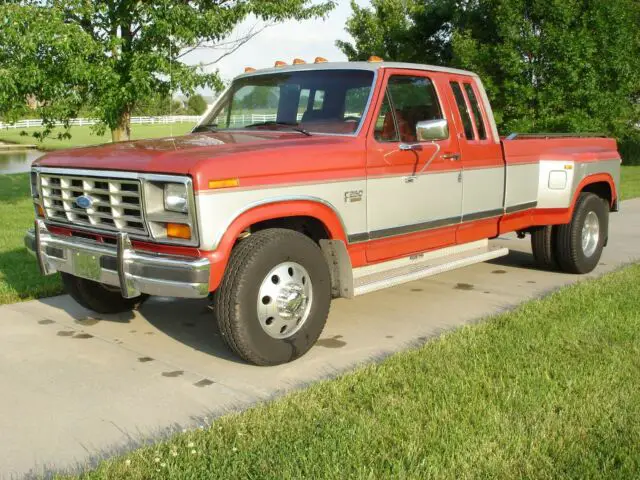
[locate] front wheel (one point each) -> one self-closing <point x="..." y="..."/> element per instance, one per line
<point x="274" y="299"/>
<point x="579" y="243"/>
<point x="99" y="297"/>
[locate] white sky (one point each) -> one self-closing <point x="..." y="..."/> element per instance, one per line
<point x="285" y="41"/>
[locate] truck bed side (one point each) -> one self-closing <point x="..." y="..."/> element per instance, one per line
<point x="563" y="167"/>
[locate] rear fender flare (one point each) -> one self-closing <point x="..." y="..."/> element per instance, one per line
<point x="591" y="179"/>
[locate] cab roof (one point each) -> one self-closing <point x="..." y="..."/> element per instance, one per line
<point x="371" y="66"/>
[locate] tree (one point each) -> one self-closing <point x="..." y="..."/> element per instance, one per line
<point x="109" y="55"/>
<point x="549" y="65"/>
<point x="196" y="105"/>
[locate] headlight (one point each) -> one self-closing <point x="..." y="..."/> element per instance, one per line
<point x="175" y="198"/>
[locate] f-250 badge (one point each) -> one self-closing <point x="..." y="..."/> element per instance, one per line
<point x="353" y="196"/>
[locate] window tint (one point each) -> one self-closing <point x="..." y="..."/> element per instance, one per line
<point x="313" y="99"/>
<point x="355" y="101"/>
<point x="464" y="111"/>
<point x="303" y="102"/>
<point x="414" y="99"/>
<point x="471" y="95"/>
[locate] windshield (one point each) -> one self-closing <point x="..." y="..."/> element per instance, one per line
<point x="316" y="101"/>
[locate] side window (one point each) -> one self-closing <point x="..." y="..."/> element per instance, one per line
<point x="464" y="111"/>
<point x="408" y="101"/>
<point x="385" y="123"/>
<point x="303" y="102"/>
<point x="471" y="95"/>
<point x="318" y="99"/>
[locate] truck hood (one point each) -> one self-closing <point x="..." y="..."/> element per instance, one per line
<point x="175" y="155"/>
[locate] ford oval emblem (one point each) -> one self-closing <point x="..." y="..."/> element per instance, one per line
<point x="84" y="201"/>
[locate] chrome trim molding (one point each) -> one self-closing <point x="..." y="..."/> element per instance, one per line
<point x="59" y="254"/>
<point x="482" y="215"/>
<point x="521" y="206"/>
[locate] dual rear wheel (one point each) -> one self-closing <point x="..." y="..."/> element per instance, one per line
<point x="575" y="247"/>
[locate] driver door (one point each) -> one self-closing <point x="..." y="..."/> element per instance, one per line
<point x="414" y="189"/>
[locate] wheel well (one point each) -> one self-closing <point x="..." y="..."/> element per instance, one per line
<point x="602" y="189"/>
<point x="309" y="226"/>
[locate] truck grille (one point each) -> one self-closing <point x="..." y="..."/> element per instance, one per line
<point x="115" y="204"/>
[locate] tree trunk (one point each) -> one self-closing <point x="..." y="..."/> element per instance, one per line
<point x="122" y="132"/>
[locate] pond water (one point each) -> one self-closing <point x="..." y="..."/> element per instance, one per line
<point x="17" y="161"/>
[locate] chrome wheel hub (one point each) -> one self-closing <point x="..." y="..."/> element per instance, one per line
<point x="590" y="234"/>
<point x="284" y="300"/>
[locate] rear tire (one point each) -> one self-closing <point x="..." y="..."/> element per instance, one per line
<point x="98" y="297"/>
<point x="579" y="243"/>
<point x="274" y="299"/>
<point x="542" y="245"/>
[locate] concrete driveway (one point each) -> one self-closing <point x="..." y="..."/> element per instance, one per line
<point x="76" y="386"/>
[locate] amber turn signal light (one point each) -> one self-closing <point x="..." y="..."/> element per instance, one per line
<point x="373" y="58"/>
<point x="178" y="230"/>
<point x="224" y="183"/>
<point x="320" y="60"/>
<point x="39" y="210"/>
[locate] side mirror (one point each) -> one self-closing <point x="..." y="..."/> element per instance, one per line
<point x="432" y="130"/>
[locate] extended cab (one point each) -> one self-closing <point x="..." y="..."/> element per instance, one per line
<point x="308" y="182"/>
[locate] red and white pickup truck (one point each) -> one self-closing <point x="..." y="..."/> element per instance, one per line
<point x="313" y="181"/>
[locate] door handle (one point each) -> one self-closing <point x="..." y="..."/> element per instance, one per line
<point x="410" y="147"/>
<point x="454" y="157"/>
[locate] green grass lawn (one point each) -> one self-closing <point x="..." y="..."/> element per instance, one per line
<point x="81" y="136"/>
<point x="549" y="390"/>
<point x="19" y="276"/>
<point x="630" y="183"/>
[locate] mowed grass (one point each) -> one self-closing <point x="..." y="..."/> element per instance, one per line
<point x="20" y="278"/>
<point x="83" y="136"/>
<point x="630" y="182"/>
<point x="549" y="390"/>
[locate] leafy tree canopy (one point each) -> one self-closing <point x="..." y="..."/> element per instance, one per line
<point x="549" y="65"/>
<point x="109" y="55"/>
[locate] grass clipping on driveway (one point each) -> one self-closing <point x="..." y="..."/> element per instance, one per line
<point x="551" y="389"/>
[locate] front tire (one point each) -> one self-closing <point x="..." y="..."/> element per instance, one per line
<point x="98" y="297"/>
<point x="275" y="296"/>
<point x="579" y="243"/>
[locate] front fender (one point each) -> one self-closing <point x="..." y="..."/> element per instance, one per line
<point x="227" y="233"/>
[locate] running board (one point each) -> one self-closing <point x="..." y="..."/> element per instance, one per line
<point x="388" y="274"/>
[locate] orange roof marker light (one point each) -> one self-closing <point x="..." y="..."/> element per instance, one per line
<point x="280" y="63"/>
<point x="320" y="60"/>
<point x="373" y="59"/>
<point x="249" y="69"/>
<point x="298" y="61"/>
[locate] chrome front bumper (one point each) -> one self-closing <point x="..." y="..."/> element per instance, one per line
<point x="119" y="265"/>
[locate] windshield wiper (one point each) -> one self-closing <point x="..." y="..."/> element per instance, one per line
<point x="208" y="127"/>
<point x="291" y="126"/>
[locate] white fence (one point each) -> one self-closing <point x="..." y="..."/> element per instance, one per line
<point x="35" y="123"/>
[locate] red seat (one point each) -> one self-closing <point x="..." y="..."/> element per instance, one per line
<point x="407" y="134"/>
